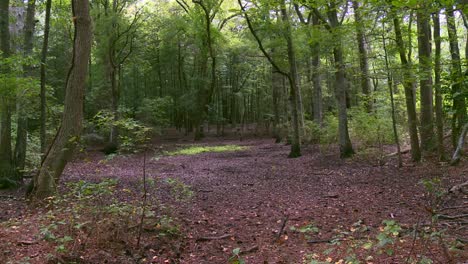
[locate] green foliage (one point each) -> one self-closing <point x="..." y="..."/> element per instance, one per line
<point x="131" y="132"/>
<point x="370" y="129"/>
<point x="197" y="149"/>
<point x="179" y="190"/>
<point x="155" y="112"/>
<point x="235" y="257"/>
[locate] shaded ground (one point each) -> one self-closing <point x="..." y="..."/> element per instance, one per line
<point x="243" y="198"/>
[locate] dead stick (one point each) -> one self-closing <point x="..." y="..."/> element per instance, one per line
<point x="213" y="238"/>
<point x="282" y="228"/>
<point x="250" y="250"/>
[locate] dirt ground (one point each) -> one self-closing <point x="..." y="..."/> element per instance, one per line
<point x="259" y="201"/>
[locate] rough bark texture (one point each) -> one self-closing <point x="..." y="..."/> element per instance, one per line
<point x="346" y="148"/>
<point x="437" y="86"/>
<point x="459" y="98"/>
<point x="22" y="127"/>
<point x="409" y="95"/>
<point x="45" y="182"/>
<point x="294" y="86"/>
<point x="6" y="168"/>
<point x="45" y="46"/>
<point x="425" y="79"/>
<point x="363" y="63"/>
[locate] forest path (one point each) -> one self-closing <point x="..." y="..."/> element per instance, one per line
<point x="247" y="195"/>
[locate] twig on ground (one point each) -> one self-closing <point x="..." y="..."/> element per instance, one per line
<point x="282" y="228"/>
<point x="200" y="239"/>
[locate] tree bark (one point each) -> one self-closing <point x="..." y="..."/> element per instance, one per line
<point x="437" y="86"/>
<point x="459" y="98"/>
<point x="390" y="83"/>
<point x="6" y="166"/>
<point x="45" y="47"/>
<point x="294" y="86"/>
<point x="425" y="79"/>
<point x="316" y="82"/>
<point x="461" y="141"/>
<point x="61" y="149"/>
<point x="346" y="148"/>
<point x="409" y="95"/>
<point x="22" y="125"/>
<point x="276" y="81"/>
<point x="363" y="62"/>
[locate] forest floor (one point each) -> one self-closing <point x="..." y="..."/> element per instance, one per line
<point x="270" y="208"/>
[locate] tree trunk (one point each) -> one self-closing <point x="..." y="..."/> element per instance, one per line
<point x="276" y="81"/>
<point x="409" y="95"/>
<point x="294" y="86"/>
<point x="6" y="166"/>
<point x="22" y="127"/>
<point x="425" y="79"/>
<point x="459" y="98"/>
<point x="390" y="83"/>
<point x="316" y="82"/>
<point x="346" y="148"/>
<point x="45" y="47"/>
<point x="61" y="149"/>
<point x="363" y="63"/>
<point x="437" y="86"/>
<point x="461" y="141"/>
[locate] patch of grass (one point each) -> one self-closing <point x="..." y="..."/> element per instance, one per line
<point x="197" y="149"/>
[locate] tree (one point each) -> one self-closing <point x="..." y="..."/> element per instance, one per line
<point x="291" y="75"/>
<point x="45" y="47"/>
<point x="22" y="123"/>
<point x="408" y="88"/>
<point x="6" y="168"/>
<point x="437" y="86"/>
<point x="458" y="96"/>
<point x="425" y="77"/>
<point x="363" y="61"/>
<point x="46" y="180"/>
<point x="332" y="23"/>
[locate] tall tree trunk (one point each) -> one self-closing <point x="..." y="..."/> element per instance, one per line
<point x="22" y="126"/>
<point x="6" y="166"/>
<point x="390" y="83"/>
<point x="61" y="149"/>
<point x="437" y="86"/>
<point x="409" y="95"/>
<point x="363" y="63"/>
<point x="316" y="82"/>
<point x="425" y="79"/>
<point x="346" y="148"/>
<point x="294" y="86"/>
<point x="276" y="81"/>
<point x="45" y="47"/>
<point x="459" y="97"/>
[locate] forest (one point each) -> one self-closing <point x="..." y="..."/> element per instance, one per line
<point x="233" y="131"/>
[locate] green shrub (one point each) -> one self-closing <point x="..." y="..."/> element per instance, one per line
<point x="132" y="133"/>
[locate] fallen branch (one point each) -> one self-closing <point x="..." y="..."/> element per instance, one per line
<point x="249" y="250"/>
<point x="459" y="187"/>
<point x="404" y="151"/>
<point x="213" y="238"/>
<point x="282" y="228"/>
<point x="450" y="217"/>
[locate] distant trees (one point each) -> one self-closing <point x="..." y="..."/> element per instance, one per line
<point x="355" y="73"/>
